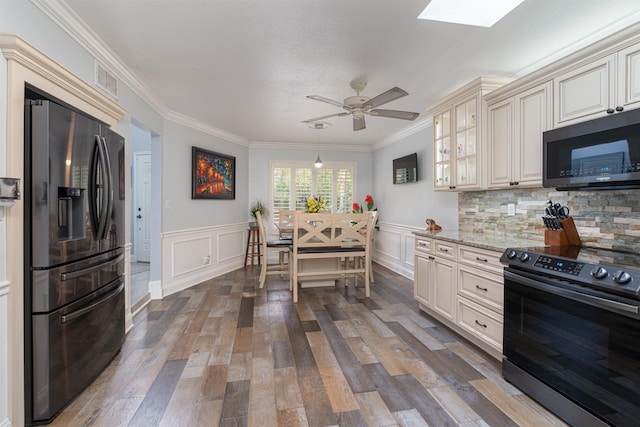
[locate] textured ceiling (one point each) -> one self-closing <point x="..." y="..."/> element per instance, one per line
<point x="245" y="66"/>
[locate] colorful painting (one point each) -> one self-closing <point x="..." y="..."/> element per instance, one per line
<point x="214" y="175"/>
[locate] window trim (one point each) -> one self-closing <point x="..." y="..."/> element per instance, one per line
<point x="296" y="164"/>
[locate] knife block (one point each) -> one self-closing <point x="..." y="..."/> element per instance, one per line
<point x="565" y="237"/>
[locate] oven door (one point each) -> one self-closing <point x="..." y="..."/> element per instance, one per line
<point x="586" y="348"/>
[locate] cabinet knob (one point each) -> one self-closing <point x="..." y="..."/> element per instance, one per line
<point x="610" y="111"/>
<point x="619" y="108"/>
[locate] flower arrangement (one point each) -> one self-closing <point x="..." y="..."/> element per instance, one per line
<point x="356" y="208"/>
<point x="314" y="204"/>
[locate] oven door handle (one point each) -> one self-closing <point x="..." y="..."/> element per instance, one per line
<point x="587" y="299"/>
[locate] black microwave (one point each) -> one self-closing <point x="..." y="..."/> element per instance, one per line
<point x="600" y="154"/>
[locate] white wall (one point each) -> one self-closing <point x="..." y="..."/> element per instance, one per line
<point x="410" y="204"/>
<point x="404" y="207"/>
<point x="184" y="213"/>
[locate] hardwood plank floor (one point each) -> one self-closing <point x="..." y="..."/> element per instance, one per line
<point x="224" y="353"/>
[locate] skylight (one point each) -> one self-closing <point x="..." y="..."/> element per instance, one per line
<point x="469" y="12"/>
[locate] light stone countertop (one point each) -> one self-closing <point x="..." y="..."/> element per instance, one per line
<point x="492" y="242"/>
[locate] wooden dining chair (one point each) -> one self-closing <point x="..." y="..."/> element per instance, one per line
<point x="284" y="223"/>
<point x="360" y="260"/>
<point x="281" y="247"/>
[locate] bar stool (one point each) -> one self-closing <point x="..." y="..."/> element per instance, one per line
<point x="253" y="244"/>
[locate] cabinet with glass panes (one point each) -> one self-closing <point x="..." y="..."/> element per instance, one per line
<point x="458" y="139"/>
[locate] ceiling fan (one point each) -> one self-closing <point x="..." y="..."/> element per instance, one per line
<point x="358" y="106"/>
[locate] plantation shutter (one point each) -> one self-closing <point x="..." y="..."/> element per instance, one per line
<point x="281" y="180"/>
<point x="293" y="182"/>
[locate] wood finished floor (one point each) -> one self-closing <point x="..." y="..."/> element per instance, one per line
<point x="225" y="353"/>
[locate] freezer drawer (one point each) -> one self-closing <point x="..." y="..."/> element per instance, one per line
<point x="54" y="288"/>
<point x="72" y="346"/>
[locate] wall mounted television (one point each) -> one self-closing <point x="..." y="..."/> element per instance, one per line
<point x="405" y="169"/>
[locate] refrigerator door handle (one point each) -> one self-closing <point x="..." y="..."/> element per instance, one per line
<point x="75" y="314"/>
<point x="98" y="190"/>
<point x="109" y="190"/>
<point x="81" y="272"/>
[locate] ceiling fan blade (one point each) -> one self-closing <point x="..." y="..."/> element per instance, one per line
<point x="388" y="96"/>
<point x="327" y="100"/>
<point x="358" y="124"/>
<point x="395" y="114"/>
<point x="325" y="117"/>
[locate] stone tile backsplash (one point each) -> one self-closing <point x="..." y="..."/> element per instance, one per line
<point x="603" y="218"/>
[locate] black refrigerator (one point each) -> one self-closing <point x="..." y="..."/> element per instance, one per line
<point x="74" y="255"/>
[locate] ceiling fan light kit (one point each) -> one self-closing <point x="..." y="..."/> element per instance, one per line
<point x="359" y="105"/>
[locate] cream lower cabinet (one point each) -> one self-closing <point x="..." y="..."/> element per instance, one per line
<point x="462" y="287"/>
<point x="435" y="276"/>
<point x="422" y="271"/>
<point x="481" y="296"/>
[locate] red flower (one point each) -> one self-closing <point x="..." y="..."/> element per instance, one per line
<point x="368" y="199"/>
<point x="355" y="207"/>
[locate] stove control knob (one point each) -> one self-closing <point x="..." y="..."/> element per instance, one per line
<point x="512" y="254"/>
<point x="622" y="277"/>
<point x="524" y="257"/>
<point x="599" y="272"/>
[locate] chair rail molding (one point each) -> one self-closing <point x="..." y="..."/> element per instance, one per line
<point x="393" y="247"/>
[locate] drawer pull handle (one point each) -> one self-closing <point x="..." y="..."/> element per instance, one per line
<point x="481" y="325"/>
<point x="482" y="259"/>
<point x="482" y="289"/>
<point x="431" y="258"/>
<point x="443" y="250"/>
<point x="423" y="244"/>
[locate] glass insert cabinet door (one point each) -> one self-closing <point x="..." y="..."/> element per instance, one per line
<point x="466" y="152"/>
<point x="442" y="145"/>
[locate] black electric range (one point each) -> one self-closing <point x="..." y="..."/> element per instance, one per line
<point x="571" y="336"/>
<point x="608" y="270"/>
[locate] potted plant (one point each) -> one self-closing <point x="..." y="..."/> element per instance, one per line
<point x="258" y="206"/>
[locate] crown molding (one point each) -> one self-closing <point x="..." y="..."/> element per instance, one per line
<point x="604" y="33"/>
<point x="63" y="16"/>
<point x="310" y="147"/>
<point x="16" y="49"/>
<point x="205" y="128"/>
<point x="398" y="136"/>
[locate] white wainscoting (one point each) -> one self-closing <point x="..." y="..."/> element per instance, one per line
<point x="190" y="257"/>
<point x="4" y="345"/>
<point x="393" y="247"/>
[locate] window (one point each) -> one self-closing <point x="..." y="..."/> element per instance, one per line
<point x="292" y="182"/>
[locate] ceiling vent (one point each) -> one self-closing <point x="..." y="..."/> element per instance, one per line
<point x="106" y="81"/>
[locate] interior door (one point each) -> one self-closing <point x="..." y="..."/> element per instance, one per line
<point x="142" y="201"/>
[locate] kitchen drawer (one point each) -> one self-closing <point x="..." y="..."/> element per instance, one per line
<point x="482" y="287"/>
<point x="481" y="258"/>
<point x="444" y="250"/>
<point x="481" y="322"/>
<point x="423" y="245"/>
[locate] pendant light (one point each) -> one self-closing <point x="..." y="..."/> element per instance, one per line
<point x="319" y="126"/>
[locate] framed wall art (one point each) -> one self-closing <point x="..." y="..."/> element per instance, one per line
<point x="214" y="175"/>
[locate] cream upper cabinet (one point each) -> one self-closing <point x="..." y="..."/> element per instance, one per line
<point x="606" y="86"/>
<point x="442" y="150"/>
<point x="459" y="137"/>
<point x="585" y="92"/>
<point x="629" y="76"/>
<point x="515" y="137"/>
